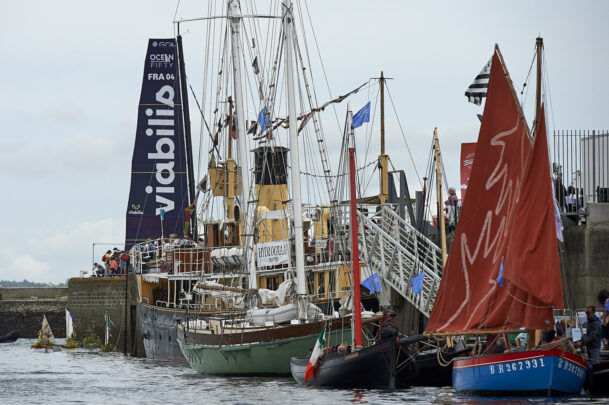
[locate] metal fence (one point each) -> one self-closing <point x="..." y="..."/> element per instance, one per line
<point x="580" y="163"/>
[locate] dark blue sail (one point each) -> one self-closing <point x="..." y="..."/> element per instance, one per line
<point x="159" y="191"/>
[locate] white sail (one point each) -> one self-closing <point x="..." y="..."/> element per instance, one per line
<point x="69" y="325"/>
<point x="46" y="334"/>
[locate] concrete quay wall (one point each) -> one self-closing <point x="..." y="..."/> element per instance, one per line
<point x="27" y="292"/>
<point x="90" y="298"/>
<point x="26" y="316"/>
<point x="585" y="262"/>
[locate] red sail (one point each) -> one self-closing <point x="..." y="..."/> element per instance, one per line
<point x="470" y="297"/>
<point x="532" y="263"/>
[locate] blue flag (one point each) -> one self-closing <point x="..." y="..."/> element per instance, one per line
<point x="500" y="278"/>
<point x="263" y="119"/>
<point x="373" y="283"/>
<point x="362" y="116"/>
<point x="417" y="283"/>
<point x="162" y="214"/>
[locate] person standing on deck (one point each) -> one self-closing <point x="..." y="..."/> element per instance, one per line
<point x="592" y="340"/>
<point x="451" y="209"/>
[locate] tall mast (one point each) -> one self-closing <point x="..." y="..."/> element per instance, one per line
<point x="187" y="136"/>
<point x="539" y="47"/>
<point x="294" y="157"/>
<point x="441" y="224"/>
<point x="231" y="167"/>
<point x="246" y="213"/>
<point x="383" y="158"/>
<point x="357" y="315"/>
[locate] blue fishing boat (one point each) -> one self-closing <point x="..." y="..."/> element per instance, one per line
<point x="503" y="272"/>
<point x="529" y="372"/>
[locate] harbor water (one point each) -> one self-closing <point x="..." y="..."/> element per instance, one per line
<point x="29" y="376"/>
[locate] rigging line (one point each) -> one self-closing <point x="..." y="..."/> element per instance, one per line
<point x="369" y="135"/>
<point x="202" y="115"/>
<point x="523" y="100"/>
<point x="547" y="87"/>
<point x="176" y="13"/>
<point x="323" y="68"/>
<point x="373" y="119"/>
<point x="526" y="80"/>
<point x="338" y="175"/>
<point x="403" y="135"/>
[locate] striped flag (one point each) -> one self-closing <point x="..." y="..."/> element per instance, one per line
<point x="477" y="90"/>
<point x="317" y="351"/>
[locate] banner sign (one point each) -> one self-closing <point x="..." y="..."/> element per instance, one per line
<point x="321" y="244"/>
<point x="158" y="168"/>
<point x="273" y="253"/>
<point x="468" y="150"/>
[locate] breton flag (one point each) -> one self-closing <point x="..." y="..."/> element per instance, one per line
<point x="314" y="359"/>
<point x="477" y="90"/>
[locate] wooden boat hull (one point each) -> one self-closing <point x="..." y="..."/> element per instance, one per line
<point x="371" y="367"/>
<point x="254" y="358"/>
<point x="546" y="372"/>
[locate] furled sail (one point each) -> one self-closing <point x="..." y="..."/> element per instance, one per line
<point x="159" y="193"/>
<point x="474" y="294"/>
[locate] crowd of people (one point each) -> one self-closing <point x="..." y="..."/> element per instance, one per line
<point x="114" y="263"/>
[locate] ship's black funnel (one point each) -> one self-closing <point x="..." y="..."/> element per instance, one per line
<point x="271" y="165"/>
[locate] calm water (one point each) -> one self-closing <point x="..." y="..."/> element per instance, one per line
<point x="33" y="376"/>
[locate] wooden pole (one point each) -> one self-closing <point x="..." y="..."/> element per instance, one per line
<point x="441" y="224"/>
<point x="383" y="158"/>
<point x="539" y="47"/>
<point x="382" y="81"/>
<point x="474" y="332"/>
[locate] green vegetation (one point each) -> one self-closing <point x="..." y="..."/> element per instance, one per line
<point x="91" y="342"/>
<point x="72" y="343"/>
<point x="108" y="348"/>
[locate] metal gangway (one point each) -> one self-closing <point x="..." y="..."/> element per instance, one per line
<point x="394" y="249"/>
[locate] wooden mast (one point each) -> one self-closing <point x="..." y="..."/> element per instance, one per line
<point x="383" y="158"/>
<point x="246" y="213"/>
<point x="536" y="335"/>
<point x="357" y="315"/>
<point x="539" y="47"/>
<point x="301" y="287"/>
<point x="441" y="224"/>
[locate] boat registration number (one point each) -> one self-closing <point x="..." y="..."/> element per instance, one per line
<point x="516" y="366"/>
<point x="571" y="368"/>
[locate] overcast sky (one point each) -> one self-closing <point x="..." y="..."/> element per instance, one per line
<point x="72" y="70"/>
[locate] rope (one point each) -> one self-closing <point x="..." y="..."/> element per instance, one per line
<point x="526" y="303"/>
<point x="404" y="136"/>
